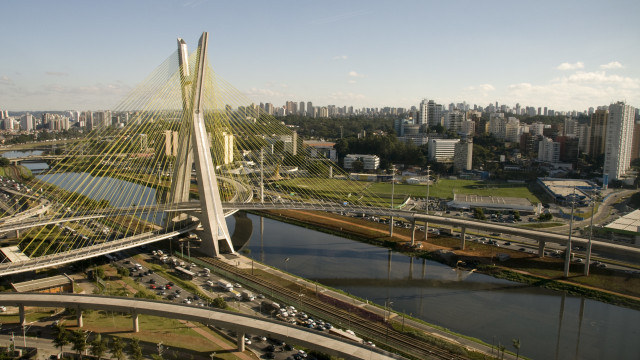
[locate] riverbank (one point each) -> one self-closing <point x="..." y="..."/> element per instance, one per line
<point x="613" y="287"/>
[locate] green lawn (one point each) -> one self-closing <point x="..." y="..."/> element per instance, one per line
<point x="445" y="188"/>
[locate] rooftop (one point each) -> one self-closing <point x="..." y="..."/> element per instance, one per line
<point x="629" y="223"/>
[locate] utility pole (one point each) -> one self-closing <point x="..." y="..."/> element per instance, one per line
<point x="587" y="262"/>
<point x="567" y="257"/>
<point x="426" y="223"/>
<point x="393" y="181"/>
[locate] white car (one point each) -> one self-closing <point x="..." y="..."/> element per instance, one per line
<point x="3" y="308"/>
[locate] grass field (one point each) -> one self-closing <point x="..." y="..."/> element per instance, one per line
<point x="445" y="188"/>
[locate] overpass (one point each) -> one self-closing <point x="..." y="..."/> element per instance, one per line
<point x="240" y="323"/>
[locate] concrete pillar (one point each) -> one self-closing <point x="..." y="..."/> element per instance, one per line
<point x="79" y="315"/>
<point x="23" y="316"/>
<point x="462" y="236"/>
<point x="240" y="342"/>
<point x="426" y="230"/>
<point x="134" y="317"/>
<point x="391" y="226"/>
<point x="413" y="231"/>
<point x="541" y="244"/>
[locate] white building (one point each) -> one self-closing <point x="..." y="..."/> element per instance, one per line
<point x="548" y="151"/>
<point x="370" y="162"/>
<point x="498" y="126"/>
<point x="512" y="130"/>
<point x="619" y="137"/>
<point x="442" y="150"/>
<point x="26" y="122"/>
<point x="463" y="156"/>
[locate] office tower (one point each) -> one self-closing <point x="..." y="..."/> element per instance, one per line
<point x="598" y="130"/>
<point x="546" y="111"/>
<point x="310" y="110"/>
<point x="619" y="137"/>
<point x="517" y="108"/>
<point x="301" y="108"/>
<point x="454" y="120"/>
<point x="570" y="126"/>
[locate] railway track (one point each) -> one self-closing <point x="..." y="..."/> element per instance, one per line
<point x="373" y="327"/>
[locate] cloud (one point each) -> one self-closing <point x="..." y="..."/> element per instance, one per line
<point x="352" y="81"/>
<point x="599" y="78"/>
<point x="355" y="74"/>
<point x="5" y="80"/>
<point x="481" y="87"/>
<point x="612" y="65"/>
<point x="568" y="66"/>
<point x="340" y="57"/>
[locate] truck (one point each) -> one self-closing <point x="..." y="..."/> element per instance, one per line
<point x="225" y="285"/>
<point x="236" y="294"/>
<point x="247" y="295"/>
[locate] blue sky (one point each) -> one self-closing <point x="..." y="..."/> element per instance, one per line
<point x="61" y="55"/>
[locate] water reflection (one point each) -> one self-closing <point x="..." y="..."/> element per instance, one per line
<point x="549" y="324"/>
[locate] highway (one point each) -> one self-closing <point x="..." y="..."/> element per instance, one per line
<point x="226" y="319"/>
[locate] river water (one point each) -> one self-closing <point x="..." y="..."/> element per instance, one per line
<point x="549" y="324"/>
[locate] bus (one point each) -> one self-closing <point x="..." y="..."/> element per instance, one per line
<point x="184" y="273"/>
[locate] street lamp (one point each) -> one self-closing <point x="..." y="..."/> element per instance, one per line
<point x="389" y="303"/>
<point x="286" y="267"/>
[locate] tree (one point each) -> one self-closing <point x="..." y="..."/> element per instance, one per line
<point x="4" y="161"/>
<point x="219" y="303"/>
<point x="98" y="346"/>
<point x="516" y="344"/>
<point x="516" y="215"/>
<point x="545" y="217"/>
<point x="60" y="336"/>
<point x="79" y="342"/>
<point x="478" y="213"/>
<point x="117" y="348"/>
<point x="501" y="348"/>
<point x="134" y="349"/>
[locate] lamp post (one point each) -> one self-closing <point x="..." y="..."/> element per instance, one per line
<point x="587" y="262"/>
<point x="393" y="182"/>
<point x="286" y="262"/>
<point x="389" y="303"/>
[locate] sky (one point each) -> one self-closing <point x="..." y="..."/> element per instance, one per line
<point x="566" y="55"/>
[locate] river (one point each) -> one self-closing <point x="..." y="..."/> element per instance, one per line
<point x="550" y="325"/>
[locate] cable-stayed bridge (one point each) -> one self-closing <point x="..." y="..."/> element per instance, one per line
<point x="181" y="152"/>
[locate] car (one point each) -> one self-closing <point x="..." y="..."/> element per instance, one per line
<point x="270" y="348"/>
<point x="168" y="287"/>
<point x="171" y="296"/>
<point x="522" y="249"/>
<point x="507" y="243"/>
<point x="260" y="296"/>
<point x="178" y="291"/>
<point x="3" y="308"/>
<point x="269" y="355"/>
<point x="236" y="285"/>
<point x="152" y="281"/>
<point x="152" y="286"/>
<point x="171" y="283"/>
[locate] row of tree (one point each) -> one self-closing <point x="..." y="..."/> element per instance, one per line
<point x="98" y="346"/>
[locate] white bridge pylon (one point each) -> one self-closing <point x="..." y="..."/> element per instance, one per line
<point x="194" y="147"/>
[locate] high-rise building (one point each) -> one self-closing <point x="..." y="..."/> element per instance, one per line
<point x="617" y="154"/>
<point x="462" y="159"/>
<point x="442" y="150"/>
<point x="26" y="122"/>
<point x="635" y="143"/>
<point x="548" y="151"/>
<point x="598" y="130"/>
<point x="301" y="108"/>
<point x="310" y="110"/>
<point x="498" y="126"/>
<point x="454" y="119"/>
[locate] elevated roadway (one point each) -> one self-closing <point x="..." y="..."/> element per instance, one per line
<point x="240" y="323"/>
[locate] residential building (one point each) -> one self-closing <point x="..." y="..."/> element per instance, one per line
<point x="548" y="151"/>
<point x="369" y="162"/>
<point x="598" y="130"/>
<point x="619" y="137"/>
<point x="463" y="155"/>
<point x="442" y="150"/>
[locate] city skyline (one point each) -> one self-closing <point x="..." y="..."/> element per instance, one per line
<point x="365" y="54"/>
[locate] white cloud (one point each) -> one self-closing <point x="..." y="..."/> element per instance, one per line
<point x="5" y="80"/>
<point x="612" y="65"/>
<point x="355" y="74"/>
<point x="481" y="87"/>
<point x="340" y="57"/>
<point x="352" y="81"/>
<point x="568" y="66"/>
<point x="599" y="78"/>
